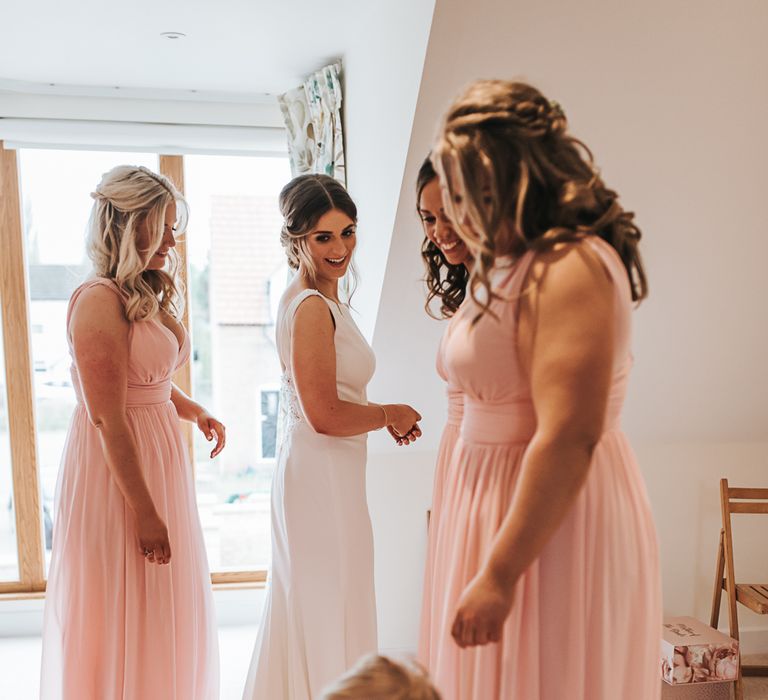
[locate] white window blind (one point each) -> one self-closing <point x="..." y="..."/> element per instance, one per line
<point x="148" y="123"/>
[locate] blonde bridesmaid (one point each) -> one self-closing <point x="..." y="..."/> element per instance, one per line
<point x="129" y="612"/>
<point x="546" y="551"/>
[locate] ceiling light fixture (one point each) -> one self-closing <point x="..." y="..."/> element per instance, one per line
<point x="173" y="35"/>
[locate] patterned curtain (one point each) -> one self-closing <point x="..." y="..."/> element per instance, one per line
<point x="312" y="116"/>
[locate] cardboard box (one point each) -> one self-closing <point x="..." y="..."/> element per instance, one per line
<point x="696" y="691"/>
<point x="692" y="652"/>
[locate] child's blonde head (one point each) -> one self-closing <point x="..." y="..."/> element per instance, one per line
<point x="379" y="678"/>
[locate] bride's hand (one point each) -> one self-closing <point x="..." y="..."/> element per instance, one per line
<point x="406" y="439"/>
<point x="404" y="424"/>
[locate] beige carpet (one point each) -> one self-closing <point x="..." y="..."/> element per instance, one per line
<point x="756" y="688"/>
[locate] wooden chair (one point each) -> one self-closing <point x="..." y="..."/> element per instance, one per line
<point x="752" y="595"/>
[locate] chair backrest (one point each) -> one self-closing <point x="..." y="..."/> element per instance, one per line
<point x="739" y="500"/>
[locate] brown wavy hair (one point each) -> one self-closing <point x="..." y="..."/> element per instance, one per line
<point x="526" y="183"/>
<point x="451" y="288"/>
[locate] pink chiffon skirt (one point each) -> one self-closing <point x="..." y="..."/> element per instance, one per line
<point x="586" y="618"/>
<point x="116" y="626"/>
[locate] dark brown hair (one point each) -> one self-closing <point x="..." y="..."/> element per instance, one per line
<point x="506" y="149"/>
<point x="302" y="202"/>
<point x="452" y="288"/>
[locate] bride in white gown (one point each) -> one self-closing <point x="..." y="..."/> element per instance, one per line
<point x="320" y="614"/>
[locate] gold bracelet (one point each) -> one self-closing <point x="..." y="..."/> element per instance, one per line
<point x="386" y="418"/>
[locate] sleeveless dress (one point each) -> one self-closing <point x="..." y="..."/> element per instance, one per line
<point x="586" y="616"/>
<point x="448" y="441"/>
<point x="320" y="613"/>
<point x="116" y="626"/>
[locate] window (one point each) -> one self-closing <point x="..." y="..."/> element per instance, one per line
<point x="235" y="265"/>
<point x="236" y="273"/>
<point x="270" y="403"/>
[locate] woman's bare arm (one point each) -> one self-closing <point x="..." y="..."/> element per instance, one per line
<point x="100" y="342"/>
<point x="313" y="365"/>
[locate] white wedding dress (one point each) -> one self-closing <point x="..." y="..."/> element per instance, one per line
<point x="320" y="613"/>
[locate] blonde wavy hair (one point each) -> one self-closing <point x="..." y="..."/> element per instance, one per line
<point x="524" y="182"/>
<point x="127" y="199"/>
<point x="303" y="201"/>
<point x="381" y="678"/>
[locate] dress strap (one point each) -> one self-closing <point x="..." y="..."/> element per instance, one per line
<point x="296" y="302"/>
<point x="613" y="264"/>
<point x="285" y="325"/>
<point x="517" y="281"/>
<point x="90" y="284"/>
<point x="301" y="297"/>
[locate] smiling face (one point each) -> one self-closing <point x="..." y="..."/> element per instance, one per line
<point x="470" y="206"/>
<point x="330" y="244"/>
<point x="437" y="226"/>
<point x="157" y="258"/>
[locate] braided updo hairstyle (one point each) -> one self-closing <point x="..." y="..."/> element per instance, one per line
<point x="303" y="201"/>
<point x="451" y="288"/>
<point x="505" y="149"/>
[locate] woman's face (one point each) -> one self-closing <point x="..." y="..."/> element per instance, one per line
<point x="457" y="201"/>
<point x="330" y="244"/>
<point x="437" y="226"/>
<point x="158" y="257"/>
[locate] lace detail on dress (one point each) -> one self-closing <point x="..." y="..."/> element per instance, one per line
<point x="290" y="403"/>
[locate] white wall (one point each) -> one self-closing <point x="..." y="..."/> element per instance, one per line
<point x="671" y="98"/>
<point x="382" y="74"/>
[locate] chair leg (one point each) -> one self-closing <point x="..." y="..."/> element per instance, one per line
<point x="717" y="594"/>
<point x="733" y="626"/>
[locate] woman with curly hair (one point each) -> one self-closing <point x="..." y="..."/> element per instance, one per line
<point x="446" y="258"/>
<point x="546" y="552"/>
<point x="129" y="611"/>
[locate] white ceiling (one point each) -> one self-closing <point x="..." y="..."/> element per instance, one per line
<point x="232" y="46"/>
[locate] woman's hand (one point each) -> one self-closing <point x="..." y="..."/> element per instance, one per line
<point x="212" y="428"/>
<point x="481" y="612"/>
<point x="153" y="539"/>
<point x="403" y="423"/>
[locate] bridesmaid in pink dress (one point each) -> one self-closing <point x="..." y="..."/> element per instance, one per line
<point x="546" y="562"/>
<point x="129" y="612"/>
<point x="445" y="257"/>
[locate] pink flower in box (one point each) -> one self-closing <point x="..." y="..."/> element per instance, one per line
<point x="725" y="662"/>
<point x="693" y="652"/>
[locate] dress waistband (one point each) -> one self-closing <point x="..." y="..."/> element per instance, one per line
<point x="455" y="407"/>
<point x="511" y="423"/>
<point x="148" y="394"/>
<point x="140" y="394"/>
<point x="498" y="423"/>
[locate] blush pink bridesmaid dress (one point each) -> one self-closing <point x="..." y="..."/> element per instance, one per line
<point x="115" y="626"/>
<point x="448" y="441"/>
<point x="586" y="618"/>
